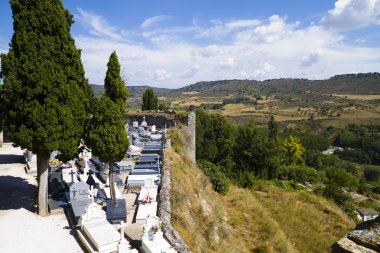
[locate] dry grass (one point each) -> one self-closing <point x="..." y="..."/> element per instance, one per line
<point x="244" y="220"/>
<point x="364" y="97"/>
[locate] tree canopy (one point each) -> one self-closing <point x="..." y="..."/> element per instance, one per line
<point x="46" y="95"/>
<point x="150" y="100"/>
<point x="108" y="137"/>
<point x="113" y="83"/>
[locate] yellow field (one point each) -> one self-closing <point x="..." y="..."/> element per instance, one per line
<point x="357" y="97"/>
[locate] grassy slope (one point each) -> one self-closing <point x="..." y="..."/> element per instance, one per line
<point x="272" y="220"/>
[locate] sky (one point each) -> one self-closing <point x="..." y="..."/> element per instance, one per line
<point x="173" y="43"/>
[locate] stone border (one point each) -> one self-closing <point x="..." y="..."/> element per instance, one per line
<point x="164" y="212"/>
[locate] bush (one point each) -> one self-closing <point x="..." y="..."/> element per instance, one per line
<point x="219" y="181"/>
<point x="298" y="173"/>
<point x="372" y="174"/>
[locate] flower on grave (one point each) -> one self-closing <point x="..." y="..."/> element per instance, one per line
<point x="155" y="229"/>
<point x="147" y="199"/>
<point x="158" y="227"/>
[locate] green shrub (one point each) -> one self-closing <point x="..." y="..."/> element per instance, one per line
<point x="372" y="174"/>
<point x="219" y="181"/>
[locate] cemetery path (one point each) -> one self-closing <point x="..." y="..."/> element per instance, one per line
<point x="21" y="229"/>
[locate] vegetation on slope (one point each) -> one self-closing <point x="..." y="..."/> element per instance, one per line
<point x="243" y="220"/>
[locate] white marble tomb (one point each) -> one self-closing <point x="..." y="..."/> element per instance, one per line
<point x="96" y="231"/>
<point x="153" y="241"/>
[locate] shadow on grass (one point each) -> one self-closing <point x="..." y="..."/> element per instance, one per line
<point x="16" y="193"/>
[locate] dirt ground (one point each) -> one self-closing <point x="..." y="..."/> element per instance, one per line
<point x="21" y="229"/>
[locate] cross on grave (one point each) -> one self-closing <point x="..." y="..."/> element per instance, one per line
<point x="72" y="173"/>
<point x="74" y="192"/>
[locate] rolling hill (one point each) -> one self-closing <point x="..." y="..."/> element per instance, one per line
<point x="343" y="84"/>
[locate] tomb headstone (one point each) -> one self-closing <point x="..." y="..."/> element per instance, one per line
<point x="116" y="211"/>
<point x="153" y="241"/>
<point x="96" y="229"/>
<point x="79" y="200"/>
<point x="69" y="175"/>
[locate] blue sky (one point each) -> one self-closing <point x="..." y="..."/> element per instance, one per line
<point x="172" y="43"/>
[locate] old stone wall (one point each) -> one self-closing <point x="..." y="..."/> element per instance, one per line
<point x="159" y="119"/>
<point x="164" y="212"/>
<point x="190" y="135"/>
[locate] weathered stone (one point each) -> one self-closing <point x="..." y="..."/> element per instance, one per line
<point x="164" y="212"/>
<point x="364" y="238"/>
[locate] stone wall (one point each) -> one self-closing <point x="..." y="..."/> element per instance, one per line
<point x="190" y="135"/>
<point x="164" y="212"/>
<point x="159" y="119"/>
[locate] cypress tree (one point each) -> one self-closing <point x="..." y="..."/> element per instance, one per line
<point x="46" y="94"/>
<point x="150" y="101"/>
<point x="108" y="138"/>
<point x="113" y="83"/>
<point x="273" y="129"/>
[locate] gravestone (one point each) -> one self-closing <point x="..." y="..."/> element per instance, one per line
<point x="56" y="192"/>
<point x="69" y="175"/>
<point x="145" y="211"/>
<point x="78" y="199"/>
<point x="153" y="241"/>
<point x="96" y="232"/>
<point x="116" y="211"/>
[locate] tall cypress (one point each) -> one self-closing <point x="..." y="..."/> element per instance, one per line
<point x="150" y="101"/>
<point x="46" y="94"/>
<point x="108" y="138"/>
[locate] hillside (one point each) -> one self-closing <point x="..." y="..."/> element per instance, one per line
<point x="135" y="91"/>
<point x="269" y="220"/>
<point x="349" y="83"/>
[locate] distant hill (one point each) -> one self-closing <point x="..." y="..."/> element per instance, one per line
<point x="136" y="91"/>
<point x="349" y="83"/>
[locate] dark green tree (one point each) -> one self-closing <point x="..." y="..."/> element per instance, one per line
<point x="114" y="85"/>
<point x="107" y="137"/>
<point x="46" y="94"/>
<point x="150" y="100"/>
<point x="254" y="153"/>
<point x="273" y="129"/>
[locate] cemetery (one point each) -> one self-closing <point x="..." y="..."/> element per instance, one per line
<point x="81" y="190"/>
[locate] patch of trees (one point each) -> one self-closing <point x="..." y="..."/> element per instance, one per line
<point x="361" y="143"/>
<point x="246" y="155"/>
<point x="236" y="100"/>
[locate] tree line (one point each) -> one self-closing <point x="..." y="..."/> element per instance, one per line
<point x="246" y="155"/>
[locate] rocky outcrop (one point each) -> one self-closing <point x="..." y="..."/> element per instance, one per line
<point x="164" y="212"/>
<point x="364" y="238"/>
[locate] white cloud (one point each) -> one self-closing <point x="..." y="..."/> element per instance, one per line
<point x="209" y="51"/>
<point x="189" y="72"/>
<point x="154" y="20"/>
<point x="227" y="63"/>
<point x="275" y="30"/>
<point x="269" y="48"/>
<point x="259" y="72"/>
<point x="162" y="74"/>
<point x="243" y="23"/>
<point x="311" y="59"/>
<point x="352" y="14"/>
<point x="97" y="24"/>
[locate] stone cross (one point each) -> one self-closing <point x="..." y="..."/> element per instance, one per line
<point x="72" y="176"/>
<point x="92" y="192"/>
<point x="74" y="192"/>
